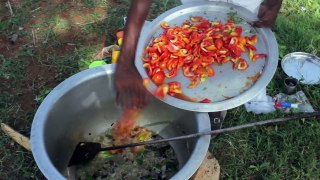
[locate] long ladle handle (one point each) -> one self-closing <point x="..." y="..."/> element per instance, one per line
<point x="258" y="123"/>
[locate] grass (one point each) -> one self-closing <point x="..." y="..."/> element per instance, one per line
<point x="29" y="71"/>
<point x="282" y="151"/>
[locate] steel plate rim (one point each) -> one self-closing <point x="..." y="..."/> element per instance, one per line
<point x="299" y="53"/>
<point x="246" y="96"/>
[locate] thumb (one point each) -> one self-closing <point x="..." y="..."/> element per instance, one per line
<point x="262" y="11"/>
<point x="258" y="24"/>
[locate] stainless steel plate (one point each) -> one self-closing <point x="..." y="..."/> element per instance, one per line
<point x="302" y="66"/>
<point x="227" y="82"/>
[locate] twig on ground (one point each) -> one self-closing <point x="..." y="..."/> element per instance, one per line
<point x="10" y="8"/>
<point x="33" y="38"/>
<point x="36" y="9"/>
<point x="17" y="137"/>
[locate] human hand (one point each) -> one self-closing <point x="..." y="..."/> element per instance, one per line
<point x="128" y="83"/>
<point x="268" y="13"/>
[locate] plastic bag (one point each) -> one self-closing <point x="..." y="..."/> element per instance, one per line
<point x="298" y="98"/>
<point x="262" y="103"/>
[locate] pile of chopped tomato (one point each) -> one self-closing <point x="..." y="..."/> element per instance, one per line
<point x="194" y="47"/>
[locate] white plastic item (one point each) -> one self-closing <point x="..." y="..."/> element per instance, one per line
<point x="260" y="104"/>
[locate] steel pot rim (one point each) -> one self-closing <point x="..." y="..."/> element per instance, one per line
<point x="38" y="125"/>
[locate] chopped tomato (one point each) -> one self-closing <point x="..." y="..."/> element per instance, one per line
<point x="258" y="56"/>
<point x="196" y="18"/>
<point x="203" y="77"/>
<point x="158" y="77"/>
<point x="172" y="48"/>
<point x="242" y="65"/>
<point x="211" y="48"/>
<point x="164" y="25"/>
<point x="250" y="46"/>
<point x="174" y="88"/>
<point x="251" y="54"/>
<point x="163" y="64"/>
<point x="254" y="39"/>
<point x="149" y="69"/>
<point x="171" y="74"/>
<point x="194" y="47"/>
<point x="206" y="100"/>
<point x="242" y="40"/>
<point x="200" y="70"/>
<point x="233" y="41"/>
<point x="145" y="82"/>
<point x="162" y="91"/>
<point x="225" y="59"/>
<point x="164" y="55"/>
<point x="188" y="59"/>
<point x="236" y="51"/>
<point x="186" y="72"/>
<point x="172" y="63"/>
<point x="234" y="60"/>
<point x="218" y="43"/>
<point x="193" y="84"/>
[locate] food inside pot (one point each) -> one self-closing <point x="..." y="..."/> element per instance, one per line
<point x="151" y="162"/>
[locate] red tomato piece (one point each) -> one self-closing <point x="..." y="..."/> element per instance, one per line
<point x="218" y="43"/>
<point x="206" y="100"/>
<point x="254" y="39"/>
<point x="236" y="51"/>
<point x="252" y="47"/>
<point x="210" y="71"/>
<point x="164" y="25"/>
<point x="162" y="91"/>
<point x="196" y="18"/>
<point x="171" y="74"/>
<point x="186" y="72"/>
<point x="258" y="56"/>
<point x="174" y="88"/>
<point x="149" y="69"/>
<point x="251" y="54"/>
<point x="242" y="65"/>
<point x="158" y="77"/>
<point x="194" y="46"/>
<point x="146" y="82"/>
<point x="238" y="30"/>
<point x="172" y="48"/>
<point x="193" y="84"/>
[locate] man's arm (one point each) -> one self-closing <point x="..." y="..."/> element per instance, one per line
<point x="136" y="18"/>
<point x="268" y="13"/>
<point x="128" y="82"/>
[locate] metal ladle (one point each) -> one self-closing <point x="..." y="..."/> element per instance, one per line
<point x="86" y="151"/>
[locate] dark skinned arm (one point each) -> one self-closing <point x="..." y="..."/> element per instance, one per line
<point x="268" y="13"/>
<point x="128" y="82"/>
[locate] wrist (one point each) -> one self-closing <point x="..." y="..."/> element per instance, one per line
<point x="272" y="3"/>
<point x="126" y="58"/>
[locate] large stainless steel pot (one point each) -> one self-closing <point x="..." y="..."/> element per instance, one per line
<point x="84" y="106"/>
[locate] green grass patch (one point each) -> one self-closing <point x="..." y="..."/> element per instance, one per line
<point x="281" y="151"/>
<point x="287" y="150"/>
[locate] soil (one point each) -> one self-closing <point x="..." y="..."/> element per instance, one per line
<point x="39" y="75"/>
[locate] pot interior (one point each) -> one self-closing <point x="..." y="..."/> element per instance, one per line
<point x="87" y="109"/>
